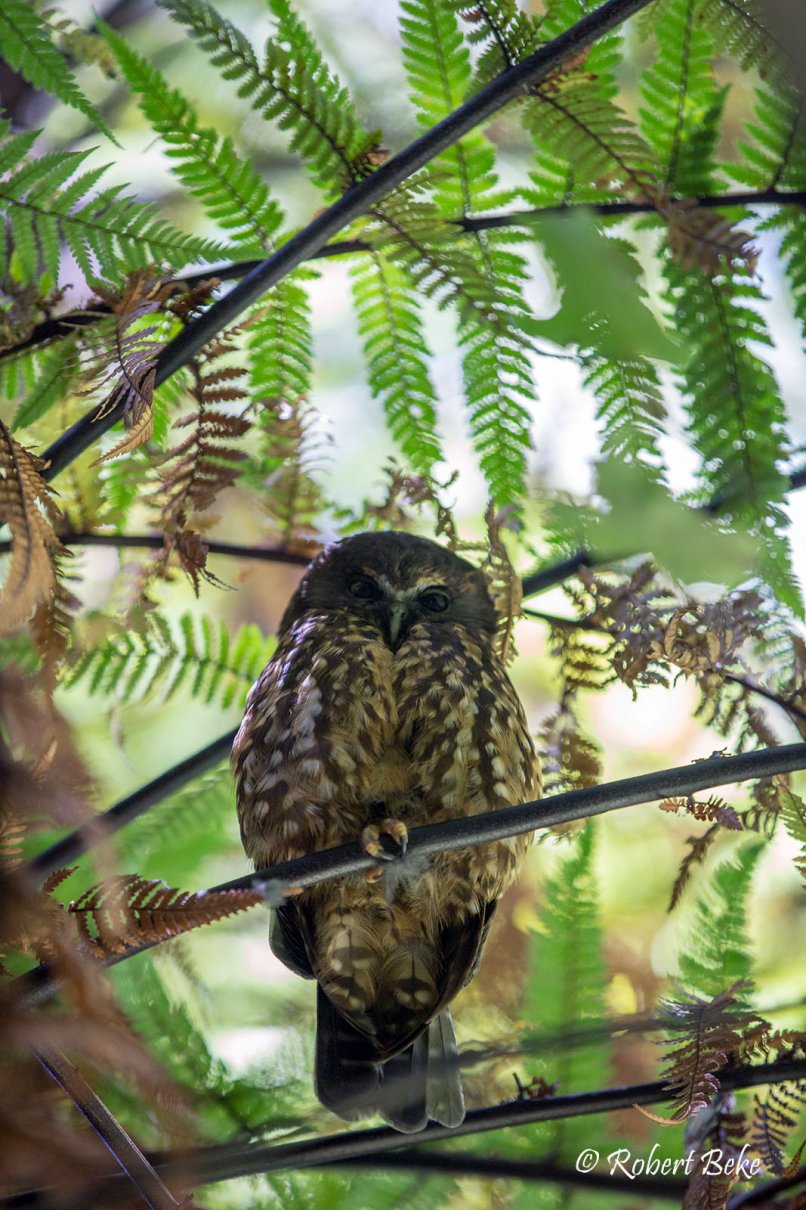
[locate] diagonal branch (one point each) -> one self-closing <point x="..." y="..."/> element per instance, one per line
<point x="358" y="200"/>
<point x="119" y="1143"/>
<point x="228" y="1161"/>
<point x="38" y="985"/>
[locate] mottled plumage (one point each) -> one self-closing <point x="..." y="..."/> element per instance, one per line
<point x="385" y="699"/>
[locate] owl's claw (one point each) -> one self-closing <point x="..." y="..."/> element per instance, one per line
<point x="372" y="843"/>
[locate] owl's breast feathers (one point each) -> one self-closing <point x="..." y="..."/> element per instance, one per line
<point x="339" y="729"/>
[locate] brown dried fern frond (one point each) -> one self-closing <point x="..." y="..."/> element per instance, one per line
<point x="705" y="239"/>
<point x="706" y="1035"/>
<point x="699" y="848"/>
<point x="714" y="810"/>
<point x="775" y="1116"/>
<point x="126" y="911"/>
<point x="570" y="760"/>
<point x="26" y="506"/>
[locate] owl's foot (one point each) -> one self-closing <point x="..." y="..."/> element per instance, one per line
<point x="372" y="843"/>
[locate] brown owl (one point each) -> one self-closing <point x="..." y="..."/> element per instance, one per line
<point x="385" y="706"/>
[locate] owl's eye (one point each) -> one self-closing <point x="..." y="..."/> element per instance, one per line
<point x="434" y="600"/>
<point x="364" y="588"/>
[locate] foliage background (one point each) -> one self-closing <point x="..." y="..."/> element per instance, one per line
<point x="586" y="933"/>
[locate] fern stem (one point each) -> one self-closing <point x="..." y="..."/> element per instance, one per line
<point x="122" y="1146"/>
<point x="358" y="200"/>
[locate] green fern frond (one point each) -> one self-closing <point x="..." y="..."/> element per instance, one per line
<point x="774" y="153"/>
<point x="279" y="341"/>
<point x="791" y="222"/>
<point x="197" y="654"/>
<point x="292" y="87"/>
<point x="182" y="830"/>
<point x="740" y="32"/>
<point x="106" y="232"/>
<point x="49" y="381"/>
<point x="571" y="949"/>
<point x="575" y="122"/>
<point x="396" y="356"/>
<point x="439" y="71"/>
<point x="496" y="363"/>
<point x="682" y="104"/>
<point x="506" y="34"/>
<point x="630" y="406"/>
<point x="793" y="813"/>
<point x="229" y="188"/>
<point x="28" y="47"/>
<point x="715" y="954"/>
<point x="736" y="416"/>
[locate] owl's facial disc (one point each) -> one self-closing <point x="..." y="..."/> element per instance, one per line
<point x="396" y="609"/>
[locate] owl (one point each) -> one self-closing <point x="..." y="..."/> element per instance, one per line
<point x="384" y="707"/>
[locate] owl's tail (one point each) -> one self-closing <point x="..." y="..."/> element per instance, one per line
<point x="422" y="1082"/>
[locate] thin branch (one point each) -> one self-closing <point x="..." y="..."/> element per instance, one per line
<point x="119" y="1143"/>
<point x="267" y="554"/>
<point x="38" y="985"/>
<point x="794" y="711"/>
<point x="509" y="85"/>
<point x="104" y="825"/>
<point x="56" y="327"/>
<point x="497" y="1167"/>
<point x="762" y="1195"/>
<point x="226" y="1162"/>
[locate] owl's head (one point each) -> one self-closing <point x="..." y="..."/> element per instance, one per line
<point x="395" y="580"/>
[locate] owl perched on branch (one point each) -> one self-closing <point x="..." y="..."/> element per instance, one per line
<point x="385" y="707"/>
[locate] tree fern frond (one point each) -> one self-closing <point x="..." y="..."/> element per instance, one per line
<point x="716" y="950"/>
<point x="506" y="34"/>
<point x="704" y="1036"/>
<point x="27" y="507"/>
<point x="228" y="186"/>
<point x="570" y="946"/>
<point x="630" y="403"/>
<point x="28" y="47"/>
<point x="682" y="104"/>
<point x="105" y="231"/>
<point x="775" y="1116"/>
<point x="53" y="371"/>
<point x="736" y="416"/>
<point x="278" y="342"/>
<point x="774" y="154"/>
<point x="197" y="654"/>
<point x="292" y="86"/>
<point x="128" y="910"/>
<point x="396" y="356"/>
<point x="183" y="829"/>
<point x="739" y="31"/>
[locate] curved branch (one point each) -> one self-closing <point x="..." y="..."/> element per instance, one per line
<point x="267" y="554"/>
<point x="505" y="88"/>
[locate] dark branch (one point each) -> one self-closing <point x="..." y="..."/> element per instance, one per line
<point x="267" y="554"/>
<point x="118" y="1142"/>
<point x="90" y="834"/>
<point x="763" y="1195"/>
<point x="506" y="87"/>
<point x="495" y="1167"/>
<point x="56" y="327"/>
<point x="37" y="986"/>
<point x="220" y="1163"/>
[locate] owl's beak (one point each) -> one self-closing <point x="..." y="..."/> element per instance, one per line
<point x="395" y="619"/>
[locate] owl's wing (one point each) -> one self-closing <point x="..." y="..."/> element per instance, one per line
<point x="317" y="722"/>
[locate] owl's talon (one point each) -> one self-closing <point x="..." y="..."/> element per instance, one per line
<point x="372" y="843"/>
<point x="374" y="874"/>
